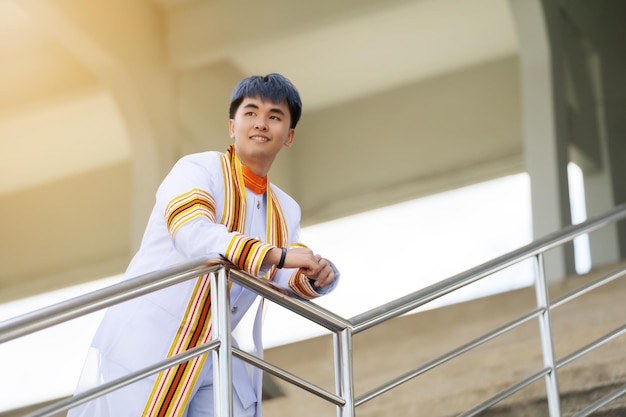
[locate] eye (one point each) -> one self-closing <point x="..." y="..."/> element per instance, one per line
<point x="274" y="117"/>
<point x="249" y="113"/>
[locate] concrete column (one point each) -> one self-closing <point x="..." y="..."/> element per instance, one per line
<point x="592" y="48"/>
<point x="545" y="156"/>
<point x="123" y="44"/>
<point x="598" y="183"/>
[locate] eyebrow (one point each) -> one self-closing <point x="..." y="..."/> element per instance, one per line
<point x="272" y="110"/>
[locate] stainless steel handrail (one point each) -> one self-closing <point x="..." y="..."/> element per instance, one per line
<point x="76" y="307"/>
<point x="311" y="311"/>
<point x="611" y="276"/>
<point x="88" y="395"/>
<point x="343" y="329"/>
<point x="447" y="356"/>
<point x="289" y="377"/>
<point x="572" y="356"/>
<point x="602" y="402"/>
<point x="542" y="373"/>
<point x="96" y="300"/>
<point x="423" y="296"/>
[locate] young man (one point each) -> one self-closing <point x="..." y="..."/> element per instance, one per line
<point x="211" y="204"/>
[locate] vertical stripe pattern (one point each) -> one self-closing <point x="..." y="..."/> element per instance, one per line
<point x="173" y="387"/>
<point x="243" y="251"/>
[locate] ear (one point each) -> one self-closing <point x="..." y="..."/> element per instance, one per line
<point x="231" y="128"/>
<point x="290" y="135"/>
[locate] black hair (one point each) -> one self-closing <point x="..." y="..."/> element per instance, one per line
<point x="273" y="87"/>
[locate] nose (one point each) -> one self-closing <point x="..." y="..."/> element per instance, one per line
<point x="260" y="125"/>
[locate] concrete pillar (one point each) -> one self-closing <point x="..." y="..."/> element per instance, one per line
<point x="590" y="36"/>
<point x="545" y="155"/>
<point x="123" y="44"/>
<point x="598" y="183"/>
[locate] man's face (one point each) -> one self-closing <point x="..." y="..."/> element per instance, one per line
<point x="260" y="129"/>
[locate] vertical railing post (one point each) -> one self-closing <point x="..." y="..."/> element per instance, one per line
<point x="344" y="378"/>
<point x="547" y="345"/>
<point x="222" y="373"/>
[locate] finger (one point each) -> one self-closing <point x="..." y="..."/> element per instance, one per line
<point x="310" y="269"/>
<point x="325" y="277"/>
<point x="326" y="269"/>
<point x="307" y="271"/>
<point x="316" y="266"/>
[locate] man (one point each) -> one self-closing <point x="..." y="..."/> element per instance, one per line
<point x="210" y="204"/>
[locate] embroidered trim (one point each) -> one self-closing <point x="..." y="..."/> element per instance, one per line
<point x="247" y="253"/>
<point x="234" y="193"/>
<point x="173" y="386"/>
<point x="188" y="206"/>
<point x="234" y="216"/>
<point x="300" y="284"/>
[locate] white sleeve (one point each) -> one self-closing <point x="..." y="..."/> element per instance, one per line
<point x="187" y="199"/>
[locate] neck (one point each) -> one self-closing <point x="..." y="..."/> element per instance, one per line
<point x="259" y="168"/>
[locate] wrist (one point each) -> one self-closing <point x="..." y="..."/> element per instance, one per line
<point x="283" y="255"/>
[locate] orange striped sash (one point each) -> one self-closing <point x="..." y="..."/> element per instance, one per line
<point x="173" y="387"/>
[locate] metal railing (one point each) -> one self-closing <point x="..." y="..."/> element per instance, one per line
<point x="342" y="329"/>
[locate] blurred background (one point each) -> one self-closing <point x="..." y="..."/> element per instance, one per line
<point x="436" y="134"/>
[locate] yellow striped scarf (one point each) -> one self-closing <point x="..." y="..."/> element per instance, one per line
<point x="172" y="389"/>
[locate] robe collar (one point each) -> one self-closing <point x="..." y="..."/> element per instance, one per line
<point x="252" y="181"/>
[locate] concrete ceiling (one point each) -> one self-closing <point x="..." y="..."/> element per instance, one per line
<point x="338" y="51"/>
<point x="358" y="48"/>
<point x="98" y="98"/>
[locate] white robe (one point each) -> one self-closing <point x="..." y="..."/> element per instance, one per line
<point x="138" y="333"/>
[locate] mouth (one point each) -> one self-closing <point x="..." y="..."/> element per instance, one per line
<point x="259" y="139"/>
